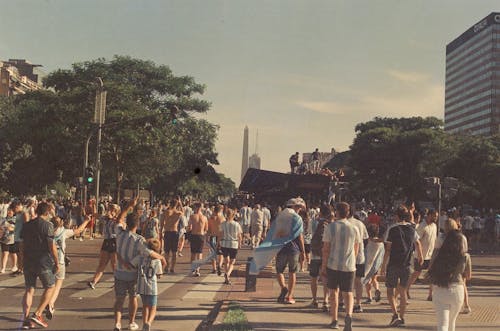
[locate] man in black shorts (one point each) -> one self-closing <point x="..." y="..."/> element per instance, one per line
<point x="198" y="227"/>
<point x="40" y="261"/>
<point x="339" y="262"/>
<point x="230" y="241"/>
<point x="401" y="239"/>
<point x="170" y="226"/>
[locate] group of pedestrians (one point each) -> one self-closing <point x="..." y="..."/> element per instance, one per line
<point x="344" y="254"/>
<point x="348" y="255"/>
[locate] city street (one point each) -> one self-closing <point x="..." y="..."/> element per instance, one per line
<point x="184" y="301"/>
<point x="188" y="303"/>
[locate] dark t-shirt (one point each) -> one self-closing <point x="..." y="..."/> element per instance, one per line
<point x="402" y="237"/>
<point x="36" y="235"/>
<point x="315" y="156"/>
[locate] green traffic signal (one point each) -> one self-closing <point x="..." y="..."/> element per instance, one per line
<point x="89" y="175"/>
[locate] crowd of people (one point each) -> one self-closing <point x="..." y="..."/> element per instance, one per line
<point x="313" y="165"/>
<point x="346" y="249"/>
<point x="349" y="249"/>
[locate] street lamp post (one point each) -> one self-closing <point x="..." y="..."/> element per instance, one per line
<point x="99" y="116"/>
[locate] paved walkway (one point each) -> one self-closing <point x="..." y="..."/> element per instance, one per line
<point x="263" y="313"/>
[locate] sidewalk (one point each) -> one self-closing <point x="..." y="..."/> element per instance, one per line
<point x="263" y="313"/>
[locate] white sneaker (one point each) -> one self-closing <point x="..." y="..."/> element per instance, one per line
<point x="133" y="326"/>
<point x="81" y="239"/>
<point x="2" y="271"/>
<point x="14" y="269"/>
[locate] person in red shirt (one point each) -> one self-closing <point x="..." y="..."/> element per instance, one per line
<point x="374" y="218"/>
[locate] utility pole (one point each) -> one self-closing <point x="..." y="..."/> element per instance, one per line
<point x="99" y="117"/>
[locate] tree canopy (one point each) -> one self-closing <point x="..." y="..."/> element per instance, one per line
<point x="150" y="137"/>
<point x="390" y="157"/>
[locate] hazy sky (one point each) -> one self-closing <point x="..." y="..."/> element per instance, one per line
<point x="303" y="73"/>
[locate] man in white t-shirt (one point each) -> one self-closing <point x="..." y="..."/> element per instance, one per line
<point x="427" y="232"/>
<point x="467" y="223"/>
<point x="256" y="225"/>
<point x="341" y="241"/>
<point x="230" y="242"/>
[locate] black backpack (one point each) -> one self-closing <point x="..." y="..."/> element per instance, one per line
<point x="317" y="238"/>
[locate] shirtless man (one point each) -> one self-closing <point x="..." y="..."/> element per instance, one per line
<point x="169" y="227"/>
<point x="198" y="226"/>
<point x="214" y="233"/>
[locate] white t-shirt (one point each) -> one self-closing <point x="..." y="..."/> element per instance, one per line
<point x="467" y="222"/>
<point x="148" y="270"/>
<point x="230" y="234"/>
<point x="257" y="218"/>
<point x="342" y="236"/>
<point x="427" y="234"/>
<point x="60" y="236"/>
<point x="245" y="215"/>
<point x="360" y="259"/>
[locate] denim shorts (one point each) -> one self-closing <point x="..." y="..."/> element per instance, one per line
<point x="46" y="276"/>
<point x="149" y="300"/>
<point x="124" y="287"/>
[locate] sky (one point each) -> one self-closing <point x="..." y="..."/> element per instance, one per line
<point x="302" y="73"/>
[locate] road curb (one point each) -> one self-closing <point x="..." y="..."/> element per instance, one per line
<point x="206" y="324"/>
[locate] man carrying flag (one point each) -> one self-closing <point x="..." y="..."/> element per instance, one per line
<point x="286" y="240"/>
<point x="286" y="221"/>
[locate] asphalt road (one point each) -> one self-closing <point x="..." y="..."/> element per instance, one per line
<point x="184" y="301"/>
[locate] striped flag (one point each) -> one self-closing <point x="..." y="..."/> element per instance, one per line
<point x="287" y="226"/>
<point x="211" y="255"/>
<point x="374" y="253"/>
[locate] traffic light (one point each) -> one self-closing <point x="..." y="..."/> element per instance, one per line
<point x="89" y="175"/>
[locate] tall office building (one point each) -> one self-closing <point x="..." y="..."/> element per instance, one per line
<point x="472" y="97"/>
<point x="254" y="160"/>
<point x="244" y="161"/>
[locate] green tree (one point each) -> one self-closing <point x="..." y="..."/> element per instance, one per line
<point x="391" y="156"/>
<point x="149" y="139"/>
<point x="477" y="165"/>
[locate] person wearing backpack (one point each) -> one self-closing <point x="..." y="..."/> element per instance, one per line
<point x="317" y="228"/>
<point x="401" y="240"/>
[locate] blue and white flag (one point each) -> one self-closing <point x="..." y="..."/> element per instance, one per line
<point x="374" y="253"/>
<point x="212" y="254"/>
<point x="287" y="226"/>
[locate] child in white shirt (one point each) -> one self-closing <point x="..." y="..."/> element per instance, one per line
<point x="148" y="272"/>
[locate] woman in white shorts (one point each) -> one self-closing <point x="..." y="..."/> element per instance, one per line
<point x="60" y="236"/>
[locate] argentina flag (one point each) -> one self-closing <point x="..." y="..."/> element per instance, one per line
<point x="374" y="253"/>
<point x="287" y="226"/>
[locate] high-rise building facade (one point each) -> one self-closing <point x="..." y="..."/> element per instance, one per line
<point x="254" y="161"/>
<point x="472" y="97"/>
